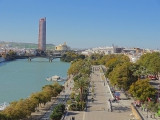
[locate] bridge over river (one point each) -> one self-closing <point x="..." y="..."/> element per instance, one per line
<point x="49" y="57"/>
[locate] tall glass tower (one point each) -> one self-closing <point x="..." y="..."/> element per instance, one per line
<point x="42" y="34"/>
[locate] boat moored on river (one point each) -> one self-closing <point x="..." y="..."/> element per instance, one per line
<point x="55" y="78"/>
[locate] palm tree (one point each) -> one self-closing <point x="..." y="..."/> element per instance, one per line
<point x="82" y="84"/>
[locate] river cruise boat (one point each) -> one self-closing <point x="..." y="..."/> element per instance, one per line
<point x="55" y="78"/>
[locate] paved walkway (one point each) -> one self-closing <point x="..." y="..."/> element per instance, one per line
<point x="44" y="113"/>
<point x="98" y="110"/>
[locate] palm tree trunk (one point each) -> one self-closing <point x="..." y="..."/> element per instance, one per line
<point x="81" y="94"/>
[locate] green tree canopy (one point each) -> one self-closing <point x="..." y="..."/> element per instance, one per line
<point x="113" y="60"/>
<point x="122" y="76"/>
<point x="151" y="62"/>
<point x="142" y="90"/>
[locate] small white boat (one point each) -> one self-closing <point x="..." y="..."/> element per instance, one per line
<point x="55" y="78"/>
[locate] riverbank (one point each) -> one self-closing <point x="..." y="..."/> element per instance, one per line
<point x="45" y="111"/>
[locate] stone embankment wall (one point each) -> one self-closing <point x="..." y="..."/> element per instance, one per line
<point x="136" y="113"/>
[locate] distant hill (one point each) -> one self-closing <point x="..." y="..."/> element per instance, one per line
<point x="24" y="45"/>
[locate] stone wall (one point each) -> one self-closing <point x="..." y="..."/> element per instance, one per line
<point x="136" y="113"/>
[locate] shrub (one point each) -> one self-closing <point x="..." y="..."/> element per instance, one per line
<point x="69" y="102"/>
<point x="72" y="95"/>
<point x="58" y="112"/>
<point x="79" y="106"/>
<point x="56" y="115"/>
<point x="77" y="98"/>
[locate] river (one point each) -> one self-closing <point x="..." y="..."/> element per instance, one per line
<point x="20" y="78"/>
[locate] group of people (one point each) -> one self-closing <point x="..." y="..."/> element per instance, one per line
<point x="70" y="87"/>
<point x="96" y="69"/>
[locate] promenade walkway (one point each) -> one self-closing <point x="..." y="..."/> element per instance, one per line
<point x="44" y="112"/>
<point x="98" y="110"/>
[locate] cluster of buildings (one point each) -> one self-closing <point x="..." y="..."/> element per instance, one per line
<point x="133" y="53"/>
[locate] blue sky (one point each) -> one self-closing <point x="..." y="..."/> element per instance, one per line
<point x="83" y="23"/>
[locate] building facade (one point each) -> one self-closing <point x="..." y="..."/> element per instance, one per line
<point x="62" y="47"/>
<point x="42" y="34"/>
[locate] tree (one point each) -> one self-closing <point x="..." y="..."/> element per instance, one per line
<point x="75" y="67"/>
<point x="151" y="62"/>
<point x="18" y="110"/>
<point x="122" y="76"/>
<point x="139" y="70"/>
<point x="3" y="116"/>
<point x="57" y="87"/>
<point x="58" y="112"/>
<point x="50" y="90"/>
<point x="142" y="90"/>
<point x="71" y="56"/>
<point x="82" y="84"/>
<point x="113" y="60"/>
<point x="151" y="106"/>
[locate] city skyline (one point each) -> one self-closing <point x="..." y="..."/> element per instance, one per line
<point x="83" y="24"/>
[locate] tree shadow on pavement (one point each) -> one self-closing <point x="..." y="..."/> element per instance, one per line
<point x="121" y="108"/>
<point x="72" y="113"/>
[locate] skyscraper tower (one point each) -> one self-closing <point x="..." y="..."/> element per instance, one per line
<point x="42" y="34"/>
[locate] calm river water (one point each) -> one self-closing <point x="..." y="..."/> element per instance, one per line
<point x="20" y="78"/>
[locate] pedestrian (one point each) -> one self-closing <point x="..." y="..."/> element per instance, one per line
<point x="92" y="99"/>
<point x="72" y="118"/>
